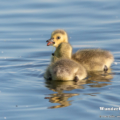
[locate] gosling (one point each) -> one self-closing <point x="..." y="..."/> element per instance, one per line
<point x="91" y="59"/>
<point x="63" y="68"/>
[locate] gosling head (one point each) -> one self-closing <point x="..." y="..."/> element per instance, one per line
<point x="57" y="37"/>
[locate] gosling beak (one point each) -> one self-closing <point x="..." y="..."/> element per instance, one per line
<point x="50" y="42"/>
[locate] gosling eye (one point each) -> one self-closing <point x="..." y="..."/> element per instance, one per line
<point x="58" y="37"/>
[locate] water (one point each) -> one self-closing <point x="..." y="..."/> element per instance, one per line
<point x="24" y="56"/>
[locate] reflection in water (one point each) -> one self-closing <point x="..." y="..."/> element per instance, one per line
<point x="95" y="79"/>
<point x="100" y="79"/>
<point x="61" y="98"/>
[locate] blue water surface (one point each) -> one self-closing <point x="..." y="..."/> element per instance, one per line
<point x="25" y="25"/>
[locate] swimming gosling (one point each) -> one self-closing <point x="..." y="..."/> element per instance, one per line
<point x="63" y="67"/>
<point x="91" y="59"/>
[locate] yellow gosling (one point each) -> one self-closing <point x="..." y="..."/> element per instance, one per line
<point x="91" y="59"/>
<point x="63" y="68"/>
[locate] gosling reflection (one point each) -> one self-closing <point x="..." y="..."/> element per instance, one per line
<point x="95" y="79"/>
<point x="100" y="79"/>
<point x="58" y="86"/>
<point x="61" y="98"/>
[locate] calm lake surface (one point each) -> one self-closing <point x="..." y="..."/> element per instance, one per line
<point x="25" y="25"/>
